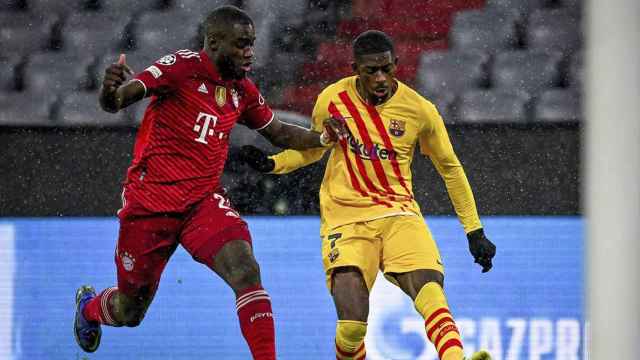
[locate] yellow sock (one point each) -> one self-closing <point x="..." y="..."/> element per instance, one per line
<point x="441" y="329"/>
<point x="350" y="340"/>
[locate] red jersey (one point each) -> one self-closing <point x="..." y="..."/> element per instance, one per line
<point x="182" y="144"/>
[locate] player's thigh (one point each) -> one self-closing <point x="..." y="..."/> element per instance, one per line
<point x="213" y="224"/>
<point x="145" y="245"/>
<point x="352" y="245"/>
<point x="350" y="294"/>
<point x="407" y="245"/>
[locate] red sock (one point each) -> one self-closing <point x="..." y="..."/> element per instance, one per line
<point x="256" y="321"/>
<point x="99" y="309"/>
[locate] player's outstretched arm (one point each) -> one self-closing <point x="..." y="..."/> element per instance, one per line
<point x="281" y="163"/>
<point x="113" y="95"/>
<point x="289" y="136"/>
<point x="436" y="144"/>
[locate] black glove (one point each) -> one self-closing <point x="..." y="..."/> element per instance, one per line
<point x="481" y="248"/>
<point x="257" y="159"/>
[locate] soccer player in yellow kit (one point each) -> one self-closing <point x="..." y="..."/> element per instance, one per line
<point x="370" y="219"/>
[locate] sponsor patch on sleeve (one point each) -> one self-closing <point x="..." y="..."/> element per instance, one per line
<point x="154" y="71"/>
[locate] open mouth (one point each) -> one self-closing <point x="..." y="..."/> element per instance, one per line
<point x="246" y="67"/>
<point x="380" y="92"/>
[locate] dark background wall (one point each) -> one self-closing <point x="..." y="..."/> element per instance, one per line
<point x="78" y="172"/>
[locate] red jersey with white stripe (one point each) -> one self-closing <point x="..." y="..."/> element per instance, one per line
<point x="183" y="141"/>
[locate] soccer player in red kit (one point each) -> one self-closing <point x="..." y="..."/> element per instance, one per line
<point x="172" y="192"/>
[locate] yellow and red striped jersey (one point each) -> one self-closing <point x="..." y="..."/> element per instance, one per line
<point x="368" y="175"/>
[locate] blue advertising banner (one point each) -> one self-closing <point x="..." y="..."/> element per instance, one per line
<point x="530" y="306"/>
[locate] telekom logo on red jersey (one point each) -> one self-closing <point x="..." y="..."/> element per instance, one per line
<point x="204" y="125"/>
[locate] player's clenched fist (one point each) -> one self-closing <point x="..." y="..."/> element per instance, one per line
<point x="335" y="129"/>
<point x="256" y="158"/>
<point x="482" y="249"/>
<point x="115" y="75"/>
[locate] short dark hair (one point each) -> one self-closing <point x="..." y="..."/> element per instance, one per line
<point x="372" y="42"/>
<point x="223" y="18"/>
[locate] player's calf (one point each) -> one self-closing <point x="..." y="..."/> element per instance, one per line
<point x="441" y="329"/>
<point x="130" y="311"/>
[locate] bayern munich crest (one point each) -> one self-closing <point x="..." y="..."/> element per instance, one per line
<point x="397" y="127"/>
<point x="128" y="261"/>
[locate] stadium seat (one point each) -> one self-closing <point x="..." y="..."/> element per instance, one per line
<point x="529" y="71"/>
<point x="286" y="10"/>
<point x="556" y="29"/>
<point x="27" y="109"/>
<point x="82" y="109"/>
<point x="301" y="98"/>
<point x="522" y="6"/>
<point x="445" y="103"/>
<point x="337" y="52"/>
<point x="451" y="71"/>
<point x="433" y="26"/>
<point x="402" y="9"/>
<point x="485" y="30"/>
<point x="55" y="7"/>
<point x="23" y="33"/>
<point x="137" y="60"/>
<point x="94" y="33"/>
<point x="8" y="68"/>
<point x="558" y="105"/>
<point x="13" y="5"/>
<point x="492" y="106"/>
<point x="166" y="32"/>
<point x="57" y="72"/>
<point x="128" y="7"/>
<point x="286" y="65"/>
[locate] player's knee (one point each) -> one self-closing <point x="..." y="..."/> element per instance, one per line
<point x="433" y="276"/>
<point x="244" y="275"/>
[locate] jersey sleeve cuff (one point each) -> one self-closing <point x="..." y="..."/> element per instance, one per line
<point x="273" y="115"/>
<point x="143" y="85"/>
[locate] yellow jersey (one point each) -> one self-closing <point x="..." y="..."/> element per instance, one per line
<point x="368" y="175"/>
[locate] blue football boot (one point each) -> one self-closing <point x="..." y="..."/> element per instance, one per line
<point x="87" y="333"/>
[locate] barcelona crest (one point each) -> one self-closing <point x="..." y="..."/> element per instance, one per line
<point x="221" y="95"/>
<point x="396" y="127"/>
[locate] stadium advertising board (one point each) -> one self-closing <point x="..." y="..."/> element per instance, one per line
<point x="530" y="306"/>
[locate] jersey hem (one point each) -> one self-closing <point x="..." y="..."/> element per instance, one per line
<point x="400" y="213"/>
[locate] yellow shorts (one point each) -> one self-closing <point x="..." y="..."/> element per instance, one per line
<point x="394" y="244"/>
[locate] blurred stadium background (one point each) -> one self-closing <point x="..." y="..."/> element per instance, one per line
<point x="505" y="74"/>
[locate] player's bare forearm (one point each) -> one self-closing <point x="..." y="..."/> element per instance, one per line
<point x="114" y="101"/>
<point x="288" y="136"/>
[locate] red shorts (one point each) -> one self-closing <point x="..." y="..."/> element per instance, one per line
<point x="147" y="240"/>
